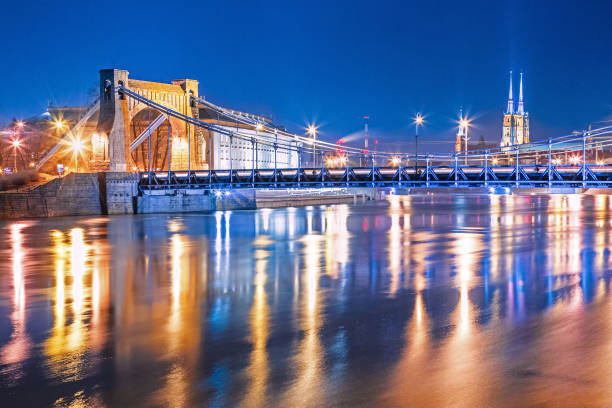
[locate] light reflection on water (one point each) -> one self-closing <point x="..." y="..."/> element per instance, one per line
<point x="425" y="300"/>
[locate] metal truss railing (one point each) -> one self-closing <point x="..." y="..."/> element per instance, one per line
<point x="562" y="160"/>
<point x="426" y="176"/>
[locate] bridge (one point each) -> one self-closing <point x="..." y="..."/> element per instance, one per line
<point x="175" y="139"/>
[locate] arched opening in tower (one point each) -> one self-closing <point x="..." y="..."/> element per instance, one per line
<point x="159" y="142"/>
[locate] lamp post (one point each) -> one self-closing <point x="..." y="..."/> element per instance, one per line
<point x="464" y="125"/>
<point x="77" y="146"/>
<point x="312" y="131"/>
<point x="418" y="121"/>
<point x="16" y="143"/>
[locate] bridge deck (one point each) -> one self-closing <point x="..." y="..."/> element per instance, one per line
<point x="432" y="176"/>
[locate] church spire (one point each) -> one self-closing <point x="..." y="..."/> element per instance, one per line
<point x="521" y="109"/>
<point x="510" y="102"/>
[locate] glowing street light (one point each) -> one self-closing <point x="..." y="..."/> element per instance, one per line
<point x="418" y="121"/>
<point x="77" y="146"/>
<point x="58" y="124"/>
<point x="20" y="124"/>
<point x="259" y="127"/>
<point x="574" y="159"/>
<point x="16" y="143"/>
<point x="312" y="131"/>
<point x="464" y="125"/>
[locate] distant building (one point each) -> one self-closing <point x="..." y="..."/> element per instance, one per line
<point x="461" y="142"/>
<point x="516" y="123"/>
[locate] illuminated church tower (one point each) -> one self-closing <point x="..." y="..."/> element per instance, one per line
<point x="461" y="133"/>
<point x="516" y="124"/>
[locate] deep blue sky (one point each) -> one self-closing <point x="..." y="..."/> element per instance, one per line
<point x="329" y="61"/>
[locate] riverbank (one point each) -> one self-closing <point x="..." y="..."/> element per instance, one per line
<point x="117" y="193"/>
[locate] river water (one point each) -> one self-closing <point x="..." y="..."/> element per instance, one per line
<point x="424" y="301"/>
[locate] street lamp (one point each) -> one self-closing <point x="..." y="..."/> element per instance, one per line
<point x="58" y="124"/>
<point x="312" y="131"/>
<point x="418" y="121"/>
<point x="16" y="143"/>
<point x="77" y="146"/>
<point x="464" y="125"/>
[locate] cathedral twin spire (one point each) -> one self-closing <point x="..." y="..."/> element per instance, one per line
<point x="515" y="129"/>
<point x="521" y="108"/>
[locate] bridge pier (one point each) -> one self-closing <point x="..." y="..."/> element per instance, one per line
<point x="114" y="116"/>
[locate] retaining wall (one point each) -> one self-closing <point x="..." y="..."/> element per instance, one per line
<point x="74" y="194"/>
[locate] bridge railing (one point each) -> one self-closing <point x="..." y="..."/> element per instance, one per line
<point x="566" y="159"/>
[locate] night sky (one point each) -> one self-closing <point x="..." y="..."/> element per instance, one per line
<point x="326" y="61"/>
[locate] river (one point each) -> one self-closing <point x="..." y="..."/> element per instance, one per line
<point x="424" y="301"/>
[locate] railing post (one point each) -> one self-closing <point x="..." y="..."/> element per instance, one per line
<point x="549" y="164"/>
<point x="299" y="170"/>
<point x="486" y="168"/>
<point x="456" y="170"/>
<point x="253" y="169"/>
<point x="516" y="167"/>
<point x="347" y="169"/>
<point x="149" y="178"/>
<point x="373" y="178"/>
<point x="275" y="167"/>
<point x="400" y="170"/>
<point x="322" y="168"/>
<point x="584" y="133"/>
<point x="189" y="155"/>
<point x="169" y="151"/>
<point x="427" y="171"/>
<point x="231" y="161"/>
<point x="210" y="155"/>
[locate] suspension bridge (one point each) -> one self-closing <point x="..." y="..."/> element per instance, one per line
<point x="279" y="159"/>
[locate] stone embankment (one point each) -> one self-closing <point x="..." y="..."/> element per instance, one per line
<point x="117" y="193"/>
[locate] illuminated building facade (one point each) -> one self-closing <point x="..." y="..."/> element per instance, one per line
<point x="516" y="122"/>
<point x="113" y="133"/>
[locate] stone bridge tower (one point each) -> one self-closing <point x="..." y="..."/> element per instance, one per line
<point x="112" y="118"/>
<point x="126" y="124"/>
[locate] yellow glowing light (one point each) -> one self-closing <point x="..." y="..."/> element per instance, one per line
<point x="395" y="161"/>
<point x="259" y="126"/>
<point x="20" y="124"/>
<point x="600" y="162"/>
<point x="494" y="161"/>
<point x="312" y="130"/>
<point x="76" y="145"/>
<point x="32" y="164"/>
<point x="58" y="124"/>
<point x="16" y="143"/>
<point x="419" y="119"/>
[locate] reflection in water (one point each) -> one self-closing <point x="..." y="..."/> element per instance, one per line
<point x="306" y="389"/>
<point x="258" y="370"/>
<point x="66" y="345"/>
<point x="418" y="300"/>
<point x="17" y="348"/>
